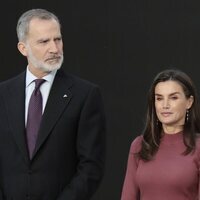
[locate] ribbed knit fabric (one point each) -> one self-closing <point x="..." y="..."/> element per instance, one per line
<point x="169" y="176"/>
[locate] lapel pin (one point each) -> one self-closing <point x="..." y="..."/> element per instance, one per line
<point x="64" y="96"/>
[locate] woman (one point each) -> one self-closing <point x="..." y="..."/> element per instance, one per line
<point x="164" y="161"/>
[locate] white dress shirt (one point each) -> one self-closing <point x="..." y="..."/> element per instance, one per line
<point x="44" y="88"/>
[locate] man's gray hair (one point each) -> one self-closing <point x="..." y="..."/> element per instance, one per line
<point x="24" y="21"/>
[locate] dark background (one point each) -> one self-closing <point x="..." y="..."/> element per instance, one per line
<point x="120" y="45"/>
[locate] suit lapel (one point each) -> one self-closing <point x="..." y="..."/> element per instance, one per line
<point x="15" y="105"/>
<point x="58" y="100"/>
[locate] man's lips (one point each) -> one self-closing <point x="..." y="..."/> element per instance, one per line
<point x="53" y="58"/>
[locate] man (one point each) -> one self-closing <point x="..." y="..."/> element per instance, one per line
<point x="55" y="151"/>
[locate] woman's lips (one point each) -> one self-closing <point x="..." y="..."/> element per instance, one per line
<point x="166" y="114"/>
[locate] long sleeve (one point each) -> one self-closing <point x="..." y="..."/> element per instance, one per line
<point x="90" y="150"/>
<point x="164" y="177"/>
<point x="198" y="165"/>
<point x="199" y="187"/>
<point x="130" y="189"/>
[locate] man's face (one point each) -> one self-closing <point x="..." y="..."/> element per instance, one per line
<point x="44" y="46"/>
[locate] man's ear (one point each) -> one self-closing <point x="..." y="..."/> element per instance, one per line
<point x="22" y="48"/>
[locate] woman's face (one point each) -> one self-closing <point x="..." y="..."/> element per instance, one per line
<point x="171" y="105"/>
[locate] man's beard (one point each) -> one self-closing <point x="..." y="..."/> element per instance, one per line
<point x="45" y="67"/>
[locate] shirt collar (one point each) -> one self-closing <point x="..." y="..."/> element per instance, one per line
<point x="30" y="77"/>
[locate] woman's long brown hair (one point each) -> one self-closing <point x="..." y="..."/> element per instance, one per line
<point x="153" y="128"/>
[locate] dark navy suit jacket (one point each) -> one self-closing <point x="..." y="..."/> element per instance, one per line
<point x="68" y="161"/>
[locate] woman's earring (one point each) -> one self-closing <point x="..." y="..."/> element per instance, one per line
<point x="187" y="115"/>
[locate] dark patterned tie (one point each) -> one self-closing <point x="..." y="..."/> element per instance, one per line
<point x="34" y="116"/>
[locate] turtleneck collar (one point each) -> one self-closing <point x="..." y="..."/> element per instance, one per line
<point x="172" y="138"/>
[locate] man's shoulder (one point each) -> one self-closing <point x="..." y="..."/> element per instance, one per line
<point x="77" y="81"/>
<point x="13" y="81"/>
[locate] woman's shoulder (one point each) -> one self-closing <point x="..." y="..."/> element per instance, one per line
<point x="197" y="146"/>
<point x="197" y="149"/>
<point x="198" y="140"/>
<point x="136" y="144"/>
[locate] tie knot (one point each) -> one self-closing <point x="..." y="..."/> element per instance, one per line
<point x="38" y="83"/>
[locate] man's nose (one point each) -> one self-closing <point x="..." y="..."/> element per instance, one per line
<point x="53" y="48"/>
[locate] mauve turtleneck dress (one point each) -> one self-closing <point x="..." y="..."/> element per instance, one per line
<point x="169" y="176"/>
